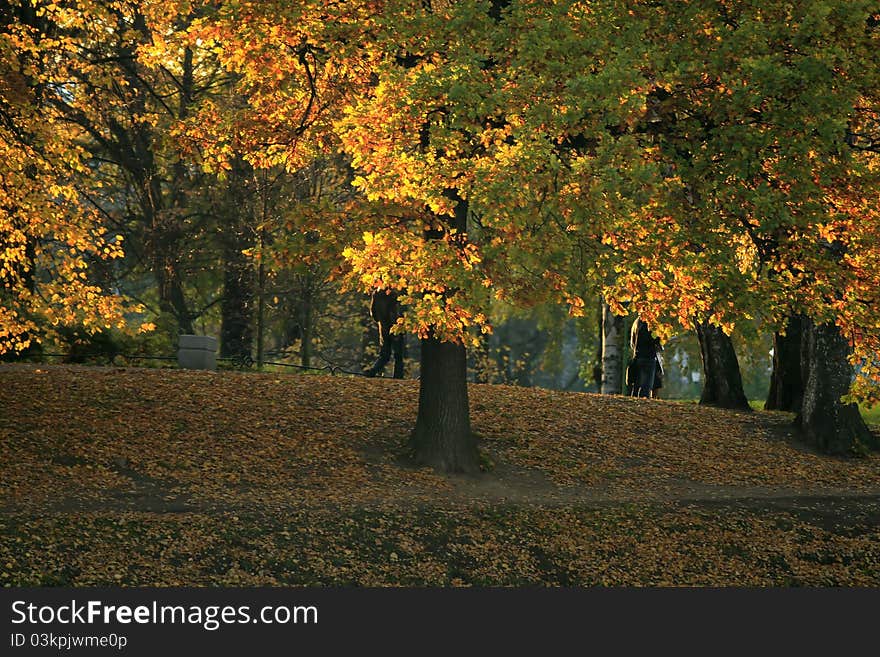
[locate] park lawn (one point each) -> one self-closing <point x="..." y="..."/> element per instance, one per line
<point x="871" y="415"/>
<point x="115" y="476"/>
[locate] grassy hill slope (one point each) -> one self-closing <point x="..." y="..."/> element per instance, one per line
<point x="163" y="477"/>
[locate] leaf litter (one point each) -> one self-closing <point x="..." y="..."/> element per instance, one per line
<point x="115" y="476"/>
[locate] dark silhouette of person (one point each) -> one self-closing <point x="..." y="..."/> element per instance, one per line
<point x="645" y="370"/>
<point x="385" y="311"/>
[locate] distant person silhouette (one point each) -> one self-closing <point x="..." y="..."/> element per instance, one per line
<point x="645" y="371"/>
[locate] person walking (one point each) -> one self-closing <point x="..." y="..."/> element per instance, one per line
<point x="385" y="311"/>
<point x="645" y="370"/>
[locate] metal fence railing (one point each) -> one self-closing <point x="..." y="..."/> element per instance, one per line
<point x="240" y="362"/>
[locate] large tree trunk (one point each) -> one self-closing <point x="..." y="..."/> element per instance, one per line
<point x="172" y="299"/>
<point x="442" y="437"/>
<point x="722" y="384"/>
<point x="612" y="352"/>
<point x="827" y="423"/>
<point x="786" y="382"/>
<point x="236" y="322"/>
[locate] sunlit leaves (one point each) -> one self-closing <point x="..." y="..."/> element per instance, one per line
<point x="683" y="160"/>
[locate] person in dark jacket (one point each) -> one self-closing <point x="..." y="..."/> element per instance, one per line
<point x="385" y="311"/>
<point x="645" y="369"/>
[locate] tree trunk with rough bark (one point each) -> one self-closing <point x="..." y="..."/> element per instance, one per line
<point x="827" y="423"/>
<point x="172" y="299"/>
<point x="722" y="384"/>
<point x="442" y="437"/>
<point x="786" y="381"/>
<point x="612" y="352"/>
<point x="237" y="307"/>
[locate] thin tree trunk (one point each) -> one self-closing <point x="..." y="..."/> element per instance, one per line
<point x="597" y="368"/>
<point x="612" y="352"/>
<point x="722" y="384"/>
<point x="368" y="339"/>
<point x="786" y="382"/>
<point x="158" y="206"/>
<point x="163" y="244"/>
<point x="442" y="437"/>
<point x="261" y="304"/>
<point x="307" y="321"/>
<point x="827" y="423"/>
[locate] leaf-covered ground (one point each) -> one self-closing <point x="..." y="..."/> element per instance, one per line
<point x="164" y="477"/>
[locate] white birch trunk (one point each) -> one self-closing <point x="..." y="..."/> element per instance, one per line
<point x="612" y="352"/>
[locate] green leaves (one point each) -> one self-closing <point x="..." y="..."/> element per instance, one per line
<point x="681" y="156"/>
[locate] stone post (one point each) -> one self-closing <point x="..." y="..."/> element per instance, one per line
<point x="197" y="352"/>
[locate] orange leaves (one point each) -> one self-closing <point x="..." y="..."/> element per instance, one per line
<point x="575" y="306"/>
<point x="439" y="293"/>
<point x="51" y="234"/>
<point x="292" y="86"/>
<point x="62" y="294"/>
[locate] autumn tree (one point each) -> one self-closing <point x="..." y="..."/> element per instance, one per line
<point x="53" y="246"/>
<point x="302" y="232"/>
<point x="666" y="155"/>
<point x="113" y="101"/>
<point x="770" y="175"/>
<point x="125" y="85"/>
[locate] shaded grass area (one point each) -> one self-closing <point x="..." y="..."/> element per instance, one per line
<point x="114" y="476"/>
<point x="871" y="415"/>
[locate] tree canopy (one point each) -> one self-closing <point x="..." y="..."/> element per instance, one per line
<point x="55" y="248"/>
<point x="703" y="161"/>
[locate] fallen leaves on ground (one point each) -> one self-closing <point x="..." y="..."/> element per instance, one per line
<point x="484" y="545"/>
<point x="164" y="477"/>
